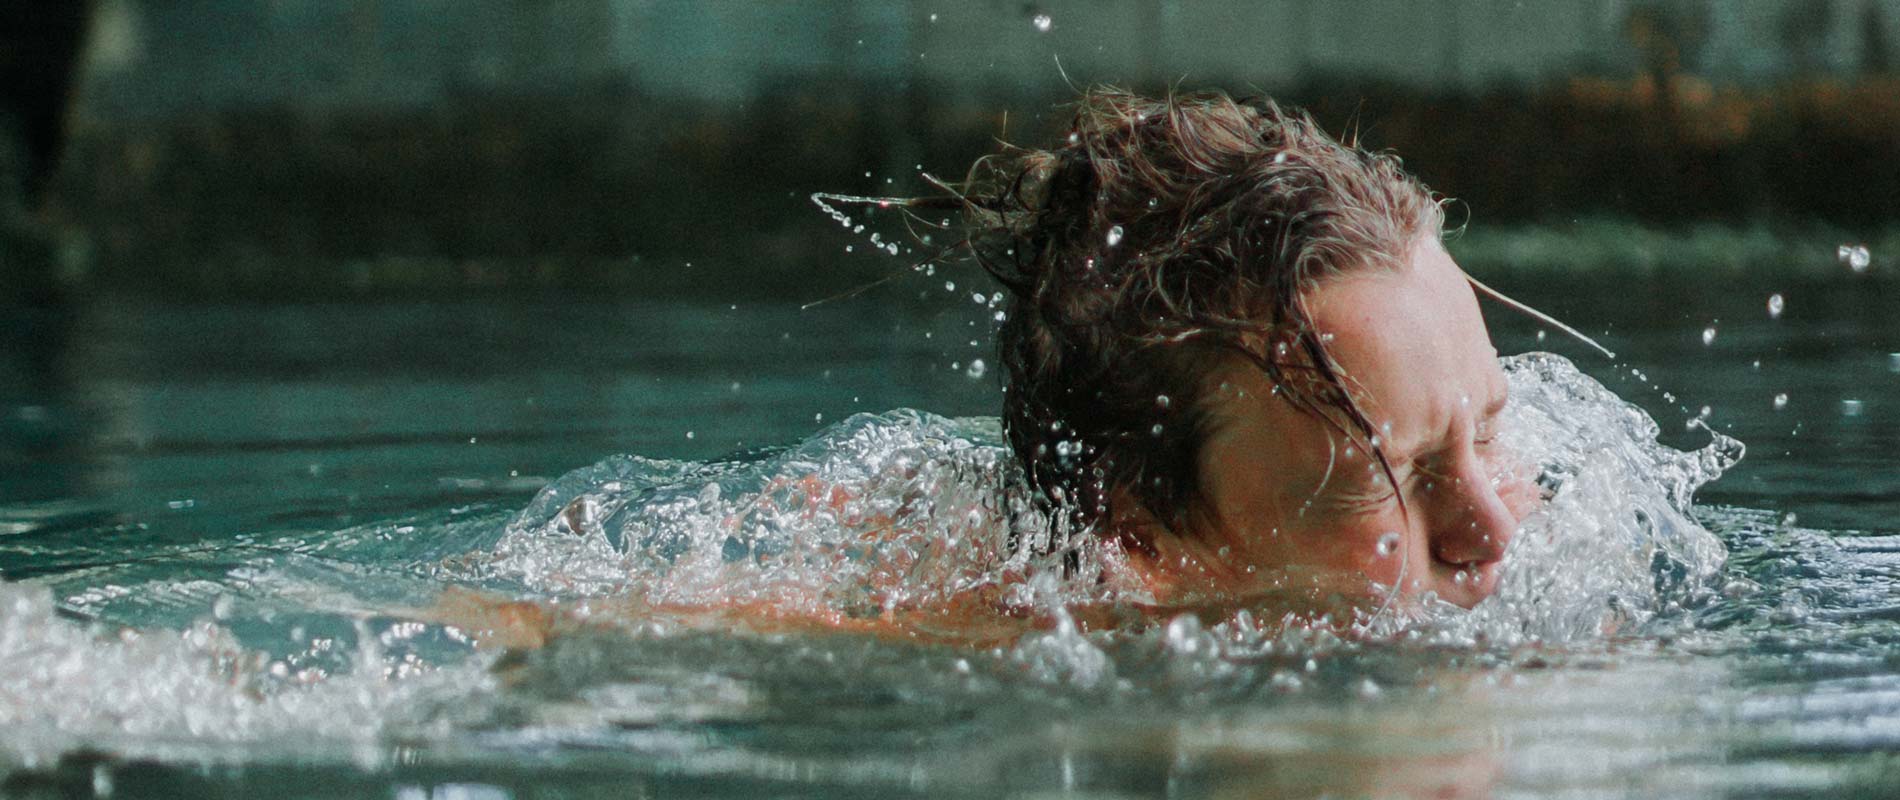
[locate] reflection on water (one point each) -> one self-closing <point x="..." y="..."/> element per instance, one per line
<point x="228" y="523"/>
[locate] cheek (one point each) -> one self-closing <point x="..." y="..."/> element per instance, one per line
<point x="1374" y="546"/>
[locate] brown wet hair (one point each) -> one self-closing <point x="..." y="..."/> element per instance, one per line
<point x="1159" y="239"/>
<point x="1162" y="237"/>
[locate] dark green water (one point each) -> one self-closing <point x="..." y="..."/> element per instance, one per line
<point x="145" y="442"/>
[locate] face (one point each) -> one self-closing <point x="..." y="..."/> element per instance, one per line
<point x="1294" y="505"/>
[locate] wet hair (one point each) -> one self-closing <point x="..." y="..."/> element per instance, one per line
<point x="1163" y="237"/>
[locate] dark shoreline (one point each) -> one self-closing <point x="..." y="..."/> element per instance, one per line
<point x="607" y="188"/>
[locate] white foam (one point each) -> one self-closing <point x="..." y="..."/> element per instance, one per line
<point x="188" y="692"/>
<point x="907" y="509"/>
<point x="902" y="509"/>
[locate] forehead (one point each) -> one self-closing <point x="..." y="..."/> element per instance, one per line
<point x="1411" y="341"/>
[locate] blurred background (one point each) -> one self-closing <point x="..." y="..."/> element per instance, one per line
<point x="288" y="262"/>
<point x="309" y="147"/>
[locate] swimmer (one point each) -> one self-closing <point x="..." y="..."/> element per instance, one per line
<point x="1239" y="348"/>
<point x="1240" y="359"/>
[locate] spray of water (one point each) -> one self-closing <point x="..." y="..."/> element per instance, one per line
<point x="877" y="516"/>
<point x="907" y="510"/>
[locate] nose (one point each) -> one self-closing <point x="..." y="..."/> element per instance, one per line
<point x="1472" y="526"/>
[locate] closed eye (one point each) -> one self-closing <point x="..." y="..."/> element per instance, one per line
<point x="1371" y="499"/>
<point x="1375" y="494"/>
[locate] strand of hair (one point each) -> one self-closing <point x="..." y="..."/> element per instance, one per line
<point x="1537" y="315"/>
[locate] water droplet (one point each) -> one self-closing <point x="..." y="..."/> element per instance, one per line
<point x="1114" y="236"/>
<point x="1708" y="336"/>
<point x="818" y="418"/>
<point x="949" y="286"/>
<point x="1540" y="336"/>
<point x="1162" y="401"/>
<point x="1042" y="22"/>
<point x="1852" y="408"/>
<point x="977" y="368"/>
<point x="1855" y="256"/>
<point x="1156" y="430"/>
<point x="689" y="434"/>
<point x="1781" y="401"/>
<point x="1153" y="202"/>
<point x="1184" y="633"/>
<point x="1775" y="304"/>
<point x="1389" y="543"/>
<point x="1893" y="362"/>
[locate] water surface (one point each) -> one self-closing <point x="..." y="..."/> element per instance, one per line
<point x="260" y="494"/>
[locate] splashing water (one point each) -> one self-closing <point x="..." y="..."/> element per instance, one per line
<point x="877" y="515"/>
<point x="906" y="510"/>
<point x="177" y="693"/>
<point x="1615" y="544"/>
<point x="901" y="509"/>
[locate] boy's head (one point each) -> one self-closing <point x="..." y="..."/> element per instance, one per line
<point x="1186" y="275"/>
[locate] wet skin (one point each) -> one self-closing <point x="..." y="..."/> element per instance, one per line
<point x="1295" y="507"/>
<point x="1296" y="510"/>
